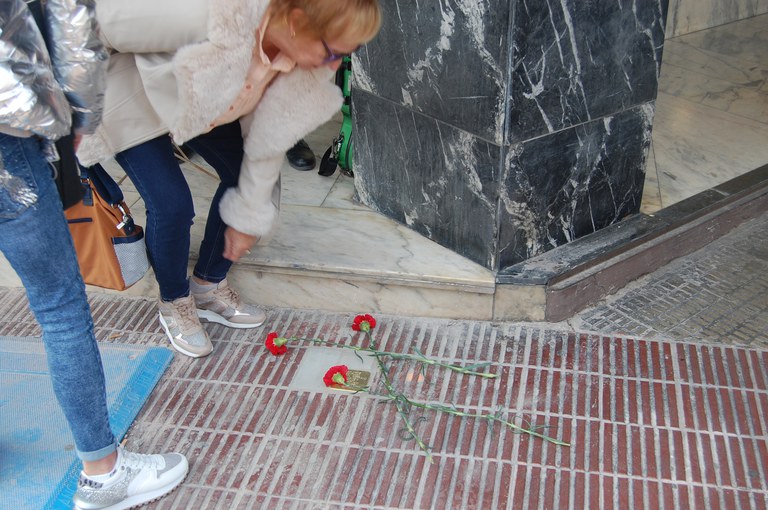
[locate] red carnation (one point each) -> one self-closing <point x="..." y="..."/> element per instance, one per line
<point x="275" y="344"/>
<point x="336" y="376"/>
<point x="364" y="322"/>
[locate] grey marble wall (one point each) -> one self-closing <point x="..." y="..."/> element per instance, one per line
<point x="557" y="188"/>
<point x="686" y="16"/>
<point x="503" y="128"/>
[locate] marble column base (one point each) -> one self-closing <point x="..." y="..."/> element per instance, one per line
<point x="499" y="205"/>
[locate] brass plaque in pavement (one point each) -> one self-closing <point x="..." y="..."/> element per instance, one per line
<point x="356" y="379"/>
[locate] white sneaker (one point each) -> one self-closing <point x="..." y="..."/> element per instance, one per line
<point x="181" y="324"/>
<point x="224" y="306"/>
<point x="136" y="479"/>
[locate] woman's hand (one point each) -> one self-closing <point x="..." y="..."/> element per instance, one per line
<point x="237" y="244"/>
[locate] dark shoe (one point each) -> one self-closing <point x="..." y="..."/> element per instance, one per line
<point x="301" y="157"/>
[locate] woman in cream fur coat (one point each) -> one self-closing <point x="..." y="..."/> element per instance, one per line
<point x="239" y="82"/>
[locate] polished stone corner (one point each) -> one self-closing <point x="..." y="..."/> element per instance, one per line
<point x="560" y="187"/>
<point x="501" y="129"/>
<point x="431" y="176"/>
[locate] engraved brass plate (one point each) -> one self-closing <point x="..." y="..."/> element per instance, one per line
<point x="356" y="379"/>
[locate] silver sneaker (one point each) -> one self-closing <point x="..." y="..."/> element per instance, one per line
<point x="137" y="479"/>
<point x="224" y="306"/>
<point x="181" y="324"/>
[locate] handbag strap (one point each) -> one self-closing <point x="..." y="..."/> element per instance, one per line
<point x="104" y="183"/>
<point x="106" y="187"/>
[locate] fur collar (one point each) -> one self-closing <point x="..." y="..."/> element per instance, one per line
<point x="211" y="73"/>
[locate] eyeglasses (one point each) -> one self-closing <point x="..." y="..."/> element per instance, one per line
<point x="333" y="57"/>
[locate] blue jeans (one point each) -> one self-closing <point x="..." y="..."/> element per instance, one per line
<point x="155" y="171"/>
<point x="35" y="239"/>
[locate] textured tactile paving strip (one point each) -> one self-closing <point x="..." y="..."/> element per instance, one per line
<point x="653" y="424"/>
<point x="717" y="294"/>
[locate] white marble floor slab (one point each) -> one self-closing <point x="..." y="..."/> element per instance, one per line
<point x="697" y="147"/>
<point x="711" y="121"/>
<point x="686" y="16"/>
<point x="363" y="243"/>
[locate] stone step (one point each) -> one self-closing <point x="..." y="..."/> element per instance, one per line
<point x="360" y="261"/>
<point x="329" y="253"/>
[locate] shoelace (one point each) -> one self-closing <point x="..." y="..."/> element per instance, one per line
<point x="187" y="315"/>
<point x="229" y="296"/>
<point x="139" y="461"/>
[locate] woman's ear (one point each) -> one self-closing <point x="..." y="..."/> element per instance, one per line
<point x="297" y="21"/>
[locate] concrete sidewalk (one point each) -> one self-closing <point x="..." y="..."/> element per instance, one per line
<point x="662" y="391"/>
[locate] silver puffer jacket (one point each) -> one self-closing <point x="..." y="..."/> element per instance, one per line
<point x="49" y="95"/>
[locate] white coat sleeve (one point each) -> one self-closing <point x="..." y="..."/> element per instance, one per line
<point x="294" y="105"/>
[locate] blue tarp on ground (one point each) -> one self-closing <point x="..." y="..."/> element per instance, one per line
<point x="38" y="467"/>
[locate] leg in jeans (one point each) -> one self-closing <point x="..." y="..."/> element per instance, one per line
<point x="154" y="170"/>
<point x="222" y="148"/>
<point x="35" y="239"/>
<point x="216" y="302"/>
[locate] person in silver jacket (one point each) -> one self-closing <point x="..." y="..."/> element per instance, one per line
<point x="50" y="95"/>
<point x="45" y="95"/>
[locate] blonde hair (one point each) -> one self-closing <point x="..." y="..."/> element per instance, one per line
<point x="357" y="20"/>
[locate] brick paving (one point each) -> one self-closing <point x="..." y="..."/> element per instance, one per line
<point x="664" y="397"/>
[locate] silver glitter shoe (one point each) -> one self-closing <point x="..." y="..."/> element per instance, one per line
<point x="136" y="479"/>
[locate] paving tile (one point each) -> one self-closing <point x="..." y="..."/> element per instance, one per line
<point x="653" y="423"/>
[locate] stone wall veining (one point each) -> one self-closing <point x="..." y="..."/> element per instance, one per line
<point x="501" y="129"/>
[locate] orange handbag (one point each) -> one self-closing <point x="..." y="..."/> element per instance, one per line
<point x="110" y="247"/>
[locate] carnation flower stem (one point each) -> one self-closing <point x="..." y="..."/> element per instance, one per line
<point x="399" y="399"/>
<point x="489" y="417"/>
<point x="399" y="355"/>
<point x="403" y="404"/>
